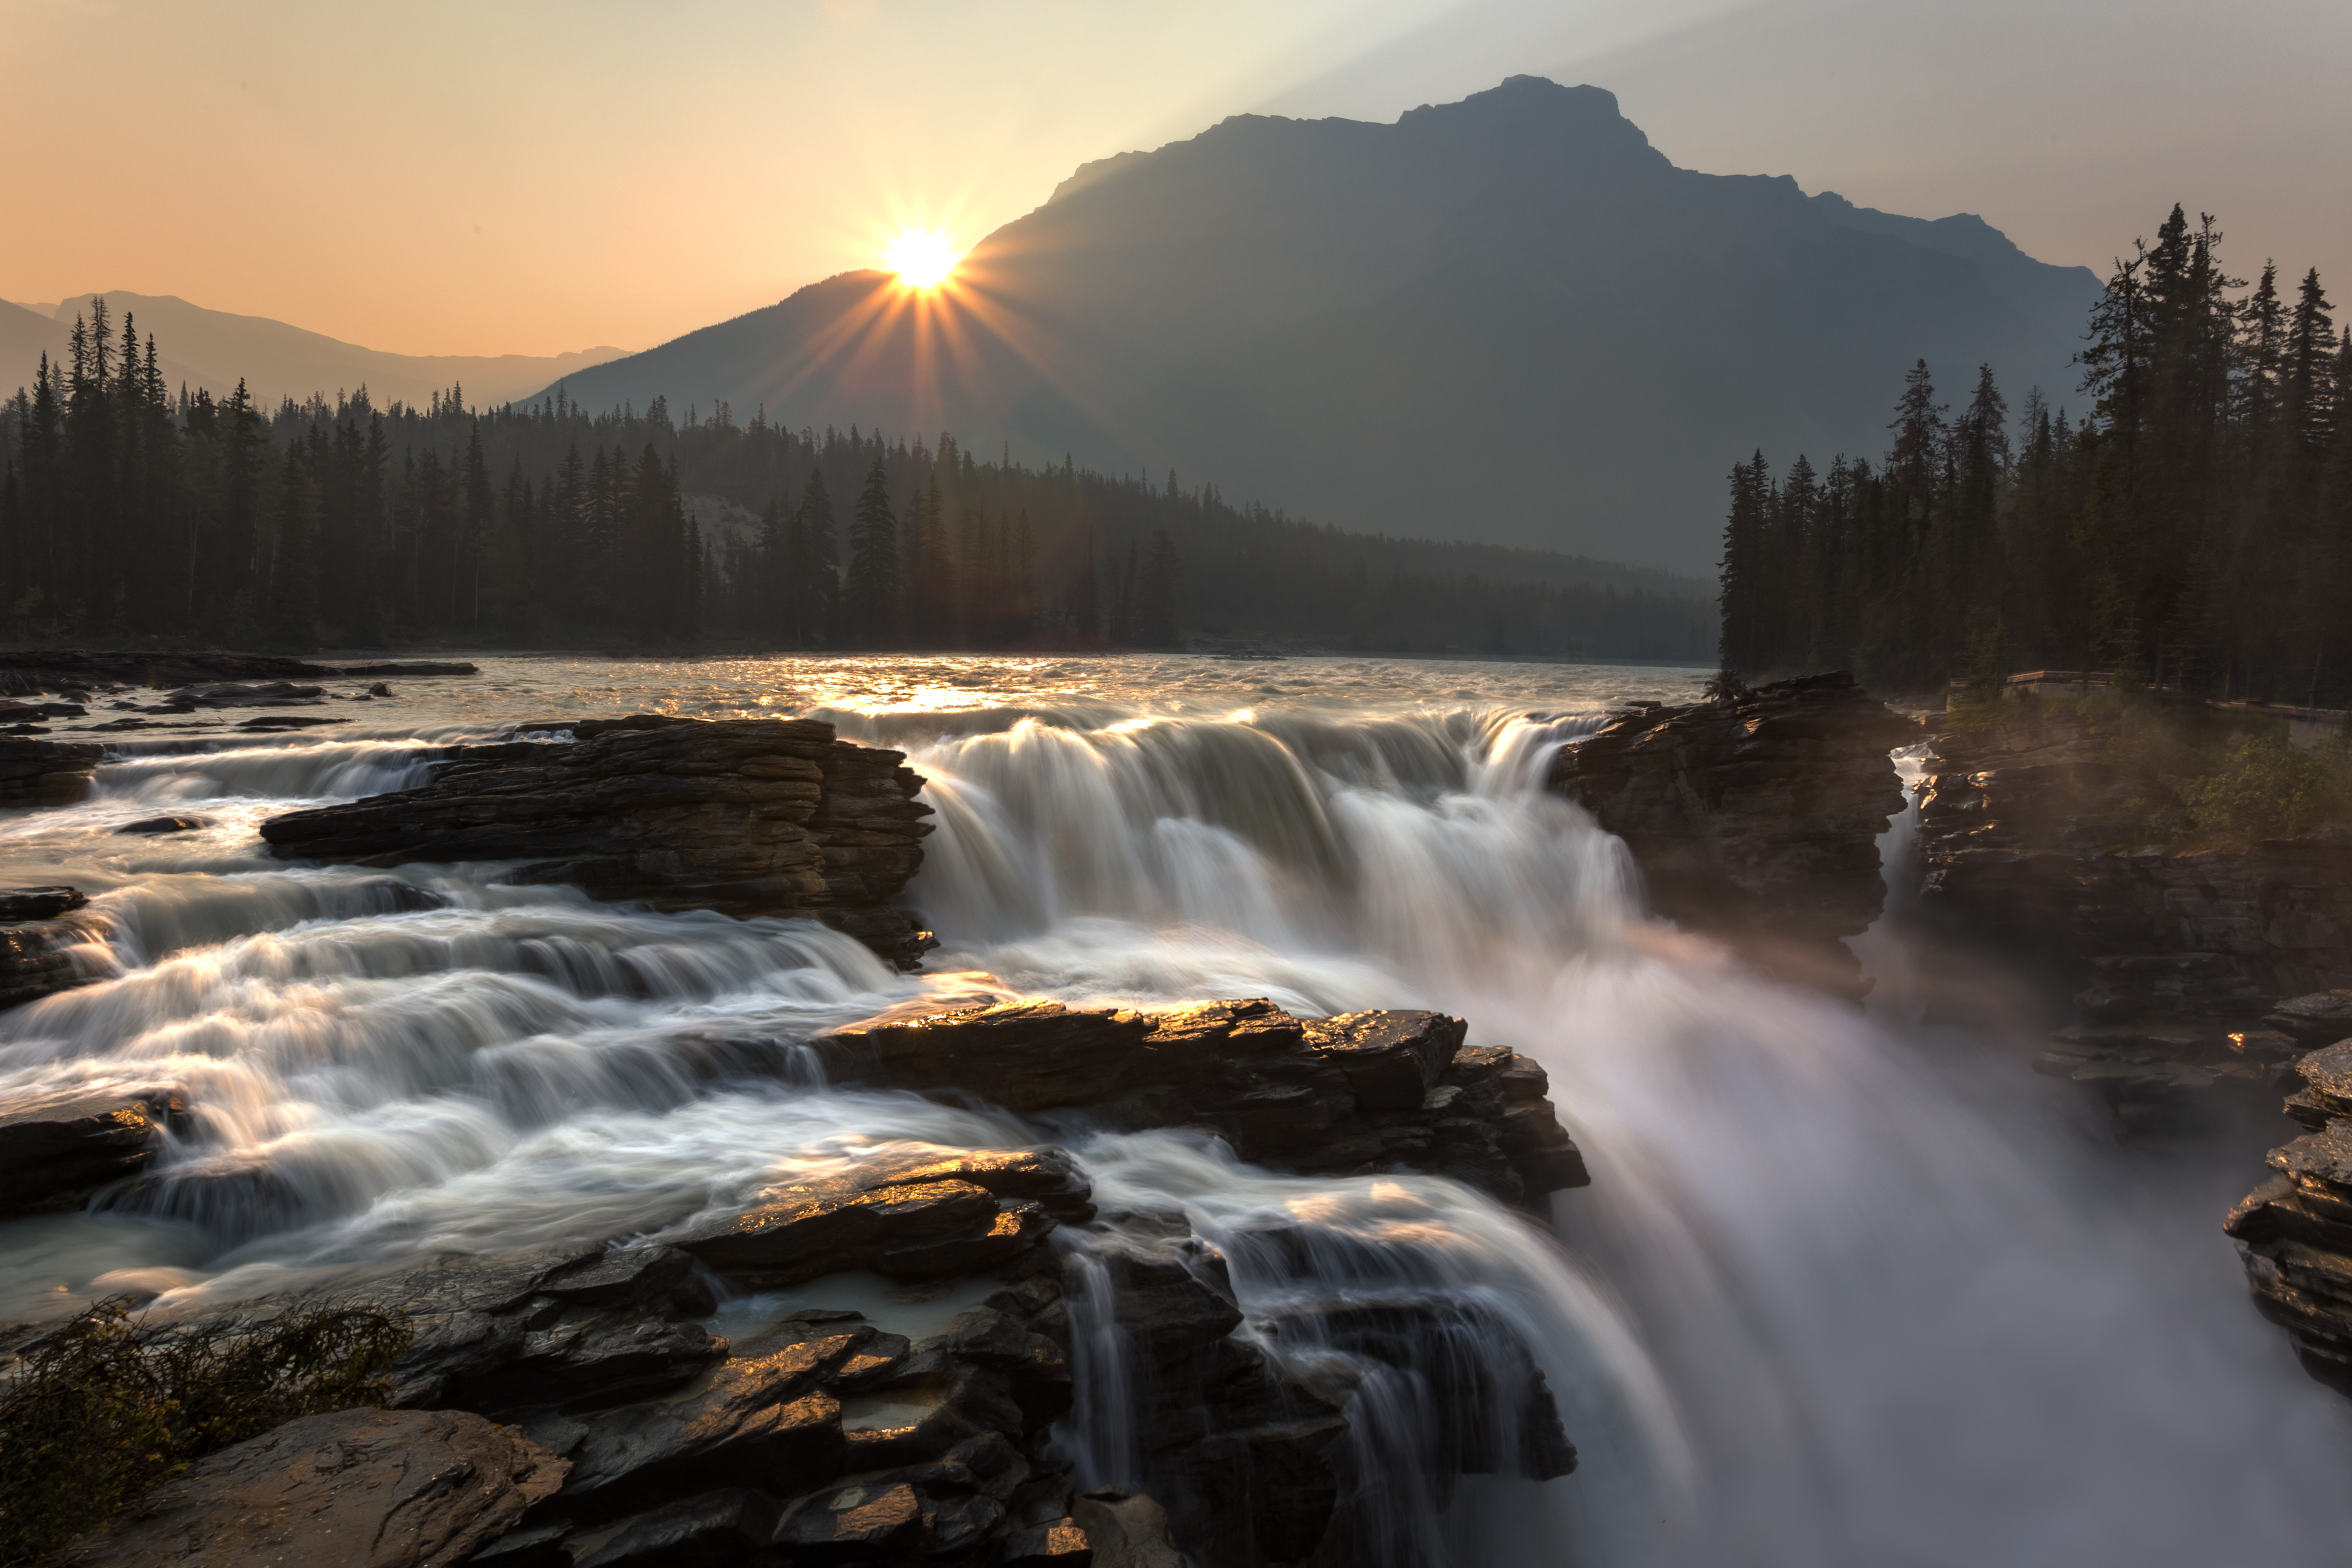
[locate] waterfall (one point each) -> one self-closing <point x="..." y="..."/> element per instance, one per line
<point x="1847" y="1290"/>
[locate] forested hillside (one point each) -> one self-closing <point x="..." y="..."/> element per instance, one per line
<point x="127" y="513"/>
<point x="2193" y="528"/>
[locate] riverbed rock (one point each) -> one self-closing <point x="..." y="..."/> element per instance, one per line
<point x="1754" y="819"/>
<point x="358" y="1489"/>
<point x="42" y="903"/>
<point x="44" y="773"/>
<point x="748" y="817"/>
<point x="54" y="1152"/>
<point x="41" y="958"/>
<point x="234" y="694"/>
<point x="1351" y="1094"/>
<point x="63" y="669"/>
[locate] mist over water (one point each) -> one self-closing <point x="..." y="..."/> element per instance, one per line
<point x="1846" y="1289"/>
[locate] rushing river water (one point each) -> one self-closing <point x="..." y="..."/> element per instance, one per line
<point x="1846" y="1291"/>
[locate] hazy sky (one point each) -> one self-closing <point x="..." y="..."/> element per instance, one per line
<point x="523" y="177"/>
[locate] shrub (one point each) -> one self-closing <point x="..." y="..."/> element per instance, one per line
<point x="2269" y="789"/>
<point x="107" y="1406"/>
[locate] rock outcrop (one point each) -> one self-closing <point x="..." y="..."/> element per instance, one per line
<point x="2173" y="961"/>
<point x="755" y="817"/>
<point x="918" y="1425"/>
<point x="1351" y="1094"/>
<point x="40" y="931"/>
<point x="56" y="1152"/>
<point x="1756" y="818"/>
<point x="44" y="773"/>
<point x="358" y="1489"/>
<point x="2295" y="1232"/>
<point x="2010" y="844"/>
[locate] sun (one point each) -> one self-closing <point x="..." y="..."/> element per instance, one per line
<point x="922" y="261"/>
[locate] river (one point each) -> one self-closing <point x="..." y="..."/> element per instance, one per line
<point x="1846" y="1291"/>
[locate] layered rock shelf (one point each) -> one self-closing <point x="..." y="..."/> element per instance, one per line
<point x="901" y="1337"/>
<point x="1755" y="817"/>
<point x="44" y="939"/>
<point x="1344" y="1095"/>
<point x="2174" y="962"/>
<point x="2295" y="1232"/>
<point x="748" y="817"/>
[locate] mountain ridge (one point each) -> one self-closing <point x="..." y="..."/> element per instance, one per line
<point x="216" y="348"/>
<point x="1510" y="318"/>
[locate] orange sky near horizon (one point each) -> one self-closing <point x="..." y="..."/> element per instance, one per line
<point x="534" y="177"/>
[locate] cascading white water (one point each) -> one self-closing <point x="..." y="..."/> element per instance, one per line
<point x="1842" y="1293"/>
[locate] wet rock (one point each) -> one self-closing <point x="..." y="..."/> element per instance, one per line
<point x="1756" y="818"/>
<point x="229" y="694"/>
<point x="1056" y="1544"/>
<point x="930" y="1224"/>
<point x="1126" y="1529"/>
<point x="750" y="818"/>
<point x="161" y="825"/>
<point x="854" y="1525"/>
<point x="760" y="1424"/>
<point x="2316" y="1019"/>
<point x="39" y="903"/>
<point x="544" y="1327"/>
<point x="360" y="1489"/>
<point x="44" y="773"/>
<point x="1484" y="1406"/>
<point x="54" y="1152"/>
<point x="717" y="1527"/>
<point x="1356" y="1093"/>
<point x="1241" y="1450"/>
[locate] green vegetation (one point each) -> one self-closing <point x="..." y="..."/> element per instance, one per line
<point x="2187" y="774"/>
<point x="2193" y="531"/>
<point x="127" y="516"/>
<point x="108" y="1406"/>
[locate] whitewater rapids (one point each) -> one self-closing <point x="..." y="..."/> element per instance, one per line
<point x="1845" y="1290"/>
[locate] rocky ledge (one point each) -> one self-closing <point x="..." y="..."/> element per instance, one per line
<point x="1755" y="817"/>
<point x="2295" y="1232"/>
<point x="47" y="942"/>
<point x="896" y="1380"/>
<point x="748" y="817"/>
<point x="2174" y="962"/>
<point x="1347" y="1095"/>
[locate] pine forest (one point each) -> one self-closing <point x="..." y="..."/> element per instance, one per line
<point x="132" y="512"/>
<point x="2192" y="529"/>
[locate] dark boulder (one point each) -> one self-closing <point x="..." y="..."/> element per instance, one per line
<point x="54" y="1152"/>
<point x="359" y="1489"/>
<point x="154" y="826"/>
<point x="748" y="817"/>
<point x="44" y="773"/>
<point x="39" y="903"/>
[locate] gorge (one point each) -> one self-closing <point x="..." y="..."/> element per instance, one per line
<point x="1276" y="1015"/>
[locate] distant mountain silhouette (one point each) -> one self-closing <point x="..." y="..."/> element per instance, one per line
<point x="1508" y="318"/>
<point x="214" y="349"/>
